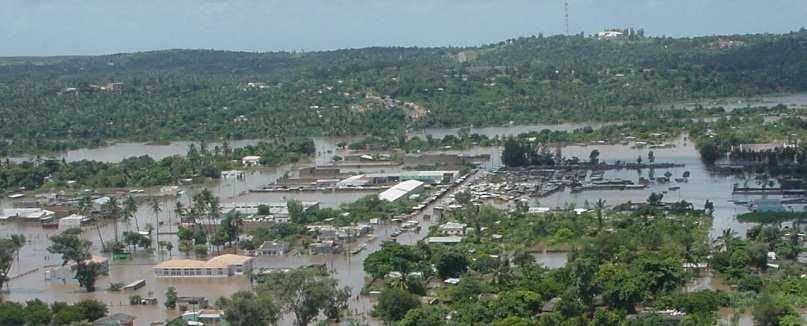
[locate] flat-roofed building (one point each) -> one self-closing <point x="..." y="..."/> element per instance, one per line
<point x="220" y="266"/>
<point x="275" y="208"/>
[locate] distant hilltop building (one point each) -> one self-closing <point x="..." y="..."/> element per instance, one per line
<point x="726" y="44"/>
<point x="621" y="33"/>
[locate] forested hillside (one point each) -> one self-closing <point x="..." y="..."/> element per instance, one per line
<point x="52" y="103"/>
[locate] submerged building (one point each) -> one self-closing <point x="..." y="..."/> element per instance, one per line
<point x="220" y="266"/>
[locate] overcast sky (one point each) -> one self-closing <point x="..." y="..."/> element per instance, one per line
<point x="57" y="27"/>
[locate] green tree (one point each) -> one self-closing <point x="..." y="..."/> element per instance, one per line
<point x="424" y="316"/>
<point x="296" y="212"/>
<point x="391" y="257"/>
<point x="770" y="310"/>
<point x="9" y="251"/>
<point x="73" y="248"/>
<point x="594" y="157"/>
<point x="451" y="264"/>
<point x="170" y="298"/>
<point x="599" y="207"/>
<point x="394" y="303"/>
<point x="303" y="292"/>
<point x="514" y="153"/>
<point x="245" y="309"/>
<point x="37" y="313"/>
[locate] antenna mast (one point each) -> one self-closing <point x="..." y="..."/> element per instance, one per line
<point x="566" y="16"/>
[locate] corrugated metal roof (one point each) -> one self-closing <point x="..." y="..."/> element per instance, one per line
<point x="400" y="190"/>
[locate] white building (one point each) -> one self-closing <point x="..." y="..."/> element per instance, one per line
<point x="71" y="222"/>
<point x="273" y="248"/>
<point x="25" y="214"/>
<point x="250" y="160"/>
<point x="453" y="228"/>
<point x="401" y="190"/>
<point x="220" y="266"/>
<point x="276" y="209"/>
<point x="444" y="240"/>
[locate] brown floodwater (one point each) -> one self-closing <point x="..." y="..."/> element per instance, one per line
<point x="347" y="269"/>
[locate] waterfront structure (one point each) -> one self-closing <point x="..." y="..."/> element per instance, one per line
<point x="401" y="190"/>
<point x="220" y="266"/>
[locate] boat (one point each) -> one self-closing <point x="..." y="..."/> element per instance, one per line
<point x="674" y="188"/>
<point x="359" y="249"/>
<point x="135" y="285"/>
<point x="15" y="196"/>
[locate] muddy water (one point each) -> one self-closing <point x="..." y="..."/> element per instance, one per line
<point x="701" y="186"/>
<point x="348" y="269"/>
<point x="326" y="147"/>
<point x="513" y="130"/>
<point x="791" y="100"/>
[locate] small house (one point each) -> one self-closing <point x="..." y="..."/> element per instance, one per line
<point x="71" y="222"/>
<point x="250" y="160"/>
<point x="273" y="248"/>
<point x="453" y="228"/>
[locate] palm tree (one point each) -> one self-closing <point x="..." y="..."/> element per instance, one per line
<point x="18" y="240"/>
<point x="599" y="206"/>
<point x="84" y="208"/>
<point x="180" y="212"/>
<point x="130" y="211"/>
<point x="725" y="239"/>
<point x="155" y="207"/>
<point x="113" y="210"/>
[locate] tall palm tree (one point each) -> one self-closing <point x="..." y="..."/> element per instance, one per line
<point x="85" y="208"/>
<point x="725" y="239"/>
<point x="18" y="240"/>
<point x="113" y="210"/>
<point x="599" y="206"/>
<point x="155" y="208"/>
<point x="130" y="211"/>
<point x="180" y="212"/>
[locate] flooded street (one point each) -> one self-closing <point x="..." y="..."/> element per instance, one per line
<point x="348" y="269"/>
